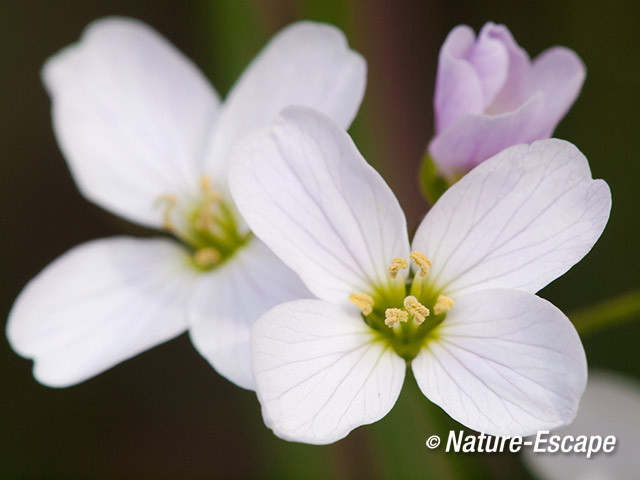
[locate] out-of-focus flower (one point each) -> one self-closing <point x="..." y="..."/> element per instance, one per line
<point x="146" y="137"/>
<point x="489" y="96"/>
<point x="609" y="406"/>
<point x="493" y="355"/>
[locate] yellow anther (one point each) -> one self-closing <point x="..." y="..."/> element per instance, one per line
<point x="398" y="263"/>
<point x="443" y="304"/>
<point x="206" y="257"/>
<point x="363" y="301"/>
<point x="169" y="202"/>
<point x="393" y="316"/>
<point x="422" y="261"/>
<point x="415" y="308"/>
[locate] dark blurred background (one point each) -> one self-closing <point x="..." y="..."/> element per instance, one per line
<point x="165" y="413"/>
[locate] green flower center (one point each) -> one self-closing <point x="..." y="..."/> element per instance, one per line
<point x="209" y="227"/>
<point x="405" y="312"/>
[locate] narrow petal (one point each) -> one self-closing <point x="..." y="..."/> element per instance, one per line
<point x="490" y="60"/>
<point x="559" y="74"/>
<point x="519" y="220"/>
<point x="228" y="301"/>
<point x="306" y="191"/>
<point x="321" y="372"/>
<point x="504" y="362"/>
<point x="458" y="89"/>
<point x="472" y="139"/>
<point x="99" y="304"/>
<point x="516" y="88"/>
<point x="131" y="115"/>
<point x="305" y="64"/>
<point x="609" y="406"/>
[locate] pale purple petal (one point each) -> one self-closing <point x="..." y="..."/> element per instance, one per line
<point x="472" y="139"/>
<point x="490" y="60"/>
<point x="458" y="89"/>
<point x="559" y="74"/>
<point x="516" y="88"/>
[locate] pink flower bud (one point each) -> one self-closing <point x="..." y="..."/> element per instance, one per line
<point x="489" y="95"/>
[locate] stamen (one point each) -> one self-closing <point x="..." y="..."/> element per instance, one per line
<point x="398" y="263"/>
<point x="443" y="304"/>
<point x="206" y="219"/>
<point x="363" y="301"/>
<point x="206" y="257"/>
<point x="422" y="261"/>
<point x="415" y="308"/>
<point x="208" y="191"/>
<point x="170" y="202"/>
<point x="393" y="316"/>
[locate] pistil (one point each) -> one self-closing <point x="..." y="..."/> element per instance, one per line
<point x="418" y="311"/>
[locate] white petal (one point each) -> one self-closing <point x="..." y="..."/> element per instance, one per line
<point x="321" y="372"/>
<point x="228" y="301"/>
<point x="304" y="64"/>
<point x="306" y="191"/>
<point x="100" y="303"/>
<point x="504" y="362"/>
<point x="131" y="115"/>
<point x="518" y="220"/>
<point x="609" y="406"/>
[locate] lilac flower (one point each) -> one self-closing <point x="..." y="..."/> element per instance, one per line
<point x="489" y="95"/>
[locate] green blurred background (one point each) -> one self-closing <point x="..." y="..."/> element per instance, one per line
<point x="166" y="414"/>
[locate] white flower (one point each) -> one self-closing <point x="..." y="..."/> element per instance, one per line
<point x="146" y="138"/>
<point x="493" y="355"/>
<point x="609" y="406"/>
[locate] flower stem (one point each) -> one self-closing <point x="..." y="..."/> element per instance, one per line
<point x="611" y="312"/>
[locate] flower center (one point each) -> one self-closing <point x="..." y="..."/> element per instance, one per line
<point x="207" y="226"/>
<point x="406" y="311"/>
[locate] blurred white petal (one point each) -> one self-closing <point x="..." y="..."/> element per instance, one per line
<point x="229" y="299"/>
<point x="306" y="63"/>
<point x="131" y="115"/>
<point x="100" y="303"/>
<point x="609" y="406"/>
